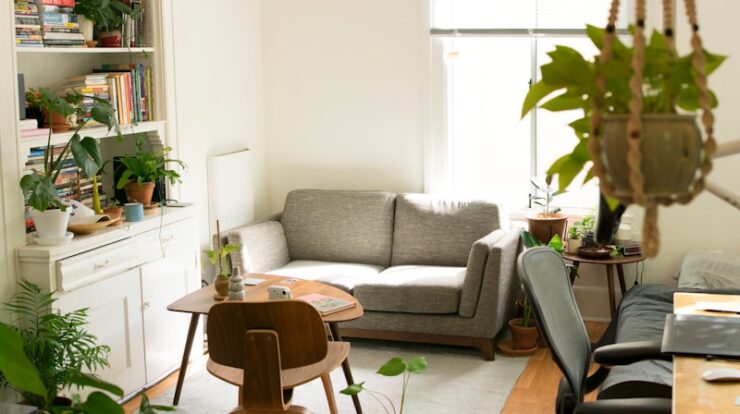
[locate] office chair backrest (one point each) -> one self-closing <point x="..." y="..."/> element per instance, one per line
<point x="548" y="289"/>
<point x="300" y="331"/>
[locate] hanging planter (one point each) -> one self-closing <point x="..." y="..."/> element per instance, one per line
<point x="642" y="151"/>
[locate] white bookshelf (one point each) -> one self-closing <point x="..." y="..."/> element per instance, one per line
<point x="84" y="50"/>
<point x="100" y="132"/>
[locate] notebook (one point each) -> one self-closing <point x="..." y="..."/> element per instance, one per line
<point x="701" y="335"/>
<point x="326" y="304"/>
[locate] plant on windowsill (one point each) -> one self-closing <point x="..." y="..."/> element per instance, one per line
<point x="140" y="172"/>
<point x="45" y="354"/>
<point x="574" y="239"/>
<point x="550" y="221"/>
<point x="394" y="367"/>
<point x="50" y="215"/>
<point x="218" y="258"/>
<point x="658" y="164"/>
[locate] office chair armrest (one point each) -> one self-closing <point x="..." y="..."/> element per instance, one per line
<point x="629" y="352"/>
<point x="626" y="405"/>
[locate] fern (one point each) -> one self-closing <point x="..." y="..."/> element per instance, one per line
<point x="57" y="344"/>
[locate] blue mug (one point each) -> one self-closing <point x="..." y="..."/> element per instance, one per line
<point x="134" y="211"/>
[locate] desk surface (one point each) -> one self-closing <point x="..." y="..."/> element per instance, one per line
<point x="202" y="299"/>
<point x="691" y="394"/>
<point x="619" y="260"/>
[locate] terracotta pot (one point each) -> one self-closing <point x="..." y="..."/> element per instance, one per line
<point x="222" y="286"/>
<point x="671" y="153"/>
<point x="58" y="122"/>
<point x="139" y="193"/>
<point x="523" y="338"/>
<point x="544" y="227"/>
<point x="114" y="212"/>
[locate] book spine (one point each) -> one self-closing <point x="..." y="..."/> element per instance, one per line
<point x="62" y="3"/>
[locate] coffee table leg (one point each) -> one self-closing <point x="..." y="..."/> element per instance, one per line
<point x="194" y="318"/>
<point x="610" y="283"/>
<point x="622" y="284"/>
<point x="345" y="367"/>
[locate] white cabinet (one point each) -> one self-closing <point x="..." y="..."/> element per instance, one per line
<point x="114" y="316"/>
<point x="126" y="277"/>
<point x="163" y="282"/>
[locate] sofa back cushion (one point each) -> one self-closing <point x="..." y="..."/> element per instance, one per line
<point x="437" y="231"/>
<point x="339" y="226"/>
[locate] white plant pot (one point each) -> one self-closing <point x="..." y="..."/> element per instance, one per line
<point x="573" y="245"/>
<point x="86" y="27"/>
<point x="51" y="224"/>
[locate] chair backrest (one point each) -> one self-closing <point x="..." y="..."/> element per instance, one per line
<point x="298" y="325"/>
<point x="547" y="286"/>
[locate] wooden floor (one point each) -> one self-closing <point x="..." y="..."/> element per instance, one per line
<point x="535" y="390"/>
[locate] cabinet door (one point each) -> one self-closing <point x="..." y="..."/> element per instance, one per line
<point x="115" y="318"/>
<point x="163" y="282"/>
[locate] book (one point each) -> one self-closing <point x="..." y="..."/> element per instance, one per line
<point x="34" y="132"/>
<point x="27" y="124"/>
<point x="326" y="305"/>
<point x="61" y="3"/>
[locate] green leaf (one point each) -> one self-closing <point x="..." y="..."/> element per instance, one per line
<point x="556" y="243"/>
<point x="40" y="191"/>
<point x="589" y="176"/>
<point x="393" y="367"/>
<point x="565" y="102"/>
<point x="568" y="68"/>
<point x="15" y="365"/>
<point x="99" y="403"/>
<point x="535" y="94"/>
<point x="86" y="154"/>
<point x="147" y="408"/>
<point x="87" y="380"/>
<point x="417" y="365"/>
<point x="581" y="125"/>
<point x="353" y="389"/>
<point x="566" y="168"/>
<point x="613" y="203"/>
<point x="529" y="241"/>
<point x="230" y="248"/>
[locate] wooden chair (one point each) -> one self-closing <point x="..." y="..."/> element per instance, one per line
<point x="267" y="349"/>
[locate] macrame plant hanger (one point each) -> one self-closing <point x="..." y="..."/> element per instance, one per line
<point x="650" y="232"/>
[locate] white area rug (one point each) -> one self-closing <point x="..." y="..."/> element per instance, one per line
<point x="457" y="380"/>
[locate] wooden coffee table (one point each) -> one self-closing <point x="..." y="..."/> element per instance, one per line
<point x="199" y="303"/>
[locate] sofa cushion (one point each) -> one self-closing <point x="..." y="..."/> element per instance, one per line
<point x="341" y="275"/>
<point x="412" y="289"/>
<point x="339" y="226"/>
<point x="263" y="247"/>
<point x="431" y="230"/>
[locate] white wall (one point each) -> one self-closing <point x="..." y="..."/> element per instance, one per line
<point x="218" y="82"/>
<point x="344" y="94"/>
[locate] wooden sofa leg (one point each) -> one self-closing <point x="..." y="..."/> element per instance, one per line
<point x="485" y="345"/>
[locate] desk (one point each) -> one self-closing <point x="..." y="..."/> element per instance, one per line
<point x="609" y="263"/>
<point x="200" y="302"/>
<point x="691" y="394"/>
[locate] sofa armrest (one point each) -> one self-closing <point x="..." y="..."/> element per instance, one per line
<point x="474" y="273"/>
<point x="491" y="296"/>
<point x="264" y="247"/>
<point x="626" y="353"/>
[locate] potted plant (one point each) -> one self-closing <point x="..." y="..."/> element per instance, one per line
<point x="141" y="170"/>
<point x="107" y="16"/>
<point x="574" y="239"/>
<point x="524" y="333"/>
<point x="113" y="209"/>
<point x="669" y="150"/>
<point x="217" y="257"/>
<point x="548" y="222"/>
<point x="46" y="353"/>
<point x="49" y="213"/>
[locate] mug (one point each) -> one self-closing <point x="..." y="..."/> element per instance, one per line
<point x="134" y="211"/>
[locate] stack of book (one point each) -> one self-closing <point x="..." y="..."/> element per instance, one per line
<point x="30" y="128"/>
<point x="27" y="24"/>
<point x="130" y="88"/>
<point x="133" y="30"/>
<point x="93" y="85"/>
<point x="60" y="24"/>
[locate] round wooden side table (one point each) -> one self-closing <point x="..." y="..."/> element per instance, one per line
<point x="610" y="263"/>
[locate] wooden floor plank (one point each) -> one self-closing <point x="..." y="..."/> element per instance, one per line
<point x="537" y="386"/>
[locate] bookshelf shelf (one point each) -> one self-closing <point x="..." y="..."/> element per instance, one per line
<point x="95" y="132"/>
<point x="84" y="50"/>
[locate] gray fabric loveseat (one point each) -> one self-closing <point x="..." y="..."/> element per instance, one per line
<point x="425" y="268"/>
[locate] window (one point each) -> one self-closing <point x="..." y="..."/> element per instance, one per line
<point x="485" y="54"/>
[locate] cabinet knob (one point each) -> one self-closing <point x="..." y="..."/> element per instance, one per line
<point x="146" y="305"/>
<point x="101" y="265"/>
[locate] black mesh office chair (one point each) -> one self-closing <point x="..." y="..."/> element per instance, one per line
<point x="548" y="289"/>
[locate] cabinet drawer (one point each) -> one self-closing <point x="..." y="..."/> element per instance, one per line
<point x="103" y="262"/>
<point x="167" y="241"/>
